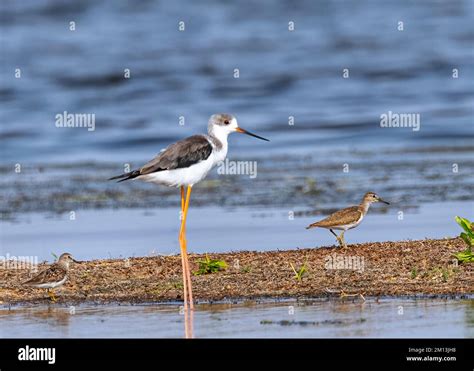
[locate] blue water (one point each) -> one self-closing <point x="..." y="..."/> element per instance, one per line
<point x="101" y="234"/>
<point x="190" y="74"/>
<point x="384" y="318"/>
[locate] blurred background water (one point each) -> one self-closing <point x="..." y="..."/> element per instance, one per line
<point x="190" y="73"/>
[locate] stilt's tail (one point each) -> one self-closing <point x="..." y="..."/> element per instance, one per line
<point x="314" y="225"/>
<point x="126" y="176"/>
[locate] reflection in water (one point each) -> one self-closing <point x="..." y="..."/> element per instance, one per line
<point x="56" y="319"/>
<point x="469" y="318"/>
<point x="55" y="316"/>
<point x="191" y="324"/>
<point x="188" y="322"/>
<point x="308" y="319"/>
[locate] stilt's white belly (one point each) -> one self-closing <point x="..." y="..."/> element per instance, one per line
<point x="181" y="177"/>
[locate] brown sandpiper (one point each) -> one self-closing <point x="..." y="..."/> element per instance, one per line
<point x="348" y="218"/>
<point x="54" y="276"/>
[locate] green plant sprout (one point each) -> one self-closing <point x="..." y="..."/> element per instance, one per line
<point x="300" y="272"/>
<point x="467" y="236"/>
<point x="246" y="269"/>
<point x="209" y="265"/>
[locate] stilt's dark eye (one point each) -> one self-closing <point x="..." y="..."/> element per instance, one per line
<point x="226" y="122"/>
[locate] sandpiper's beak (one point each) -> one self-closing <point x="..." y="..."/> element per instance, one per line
<point x="76" y="261"/>
<point x="240" y="130"/>
<point x="385" y="202"/>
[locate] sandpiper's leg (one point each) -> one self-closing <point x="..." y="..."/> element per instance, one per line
<point x="343" y="242"/>
<point x="337" y="237"/>
<point x="51" y="295"/>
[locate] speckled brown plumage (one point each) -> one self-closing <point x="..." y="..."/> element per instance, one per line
<point x="345" y="216"/>
<point x="55" y="273"/>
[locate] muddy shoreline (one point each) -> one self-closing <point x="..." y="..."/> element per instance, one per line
<point x="422" y="268"/>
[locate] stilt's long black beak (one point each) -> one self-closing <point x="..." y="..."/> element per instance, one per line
<point x="385" y="202"/>
<point x="240" y="130"/>
<point x="77" y="261"/>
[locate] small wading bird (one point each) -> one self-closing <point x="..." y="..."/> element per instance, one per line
<point x="347" y="218"/>
<point x="183" y="164"/>
<point x="54" y="276"/>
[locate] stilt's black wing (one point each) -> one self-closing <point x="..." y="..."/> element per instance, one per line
<point x="181" y="154"/>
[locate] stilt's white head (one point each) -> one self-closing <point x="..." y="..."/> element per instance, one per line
<point x="222" y="124"/>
